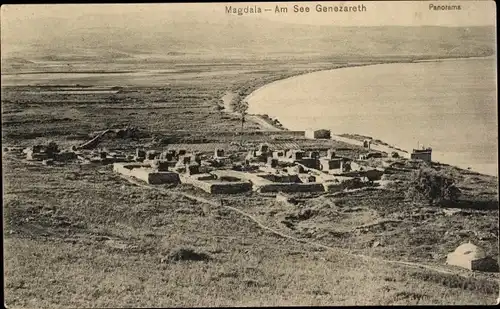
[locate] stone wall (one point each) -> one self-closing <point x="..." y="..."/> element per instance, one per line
<point x="152" y="177"/>
<point x="292" y="187"/>
<point x="333" y="187"/>
<point x="230" y="187"/>
<point x="142" y="172"/>
<point x="254" y="178"/>
<point x="215" y="187"/>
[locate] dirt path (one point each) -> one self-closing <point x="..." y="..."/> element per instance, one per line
<point x="227" y="98"/>
<point x="278" y="233"/>
<point x="266" y="125"/>
<point x="382" y="148"/>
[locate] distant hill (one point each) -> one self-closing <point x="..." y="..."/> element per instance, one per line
<point x="94" y="39"/>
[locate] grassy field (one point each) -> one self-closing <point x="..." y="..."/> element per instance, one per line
<point x="80" y="236"/>
<point x="63" y="249"/>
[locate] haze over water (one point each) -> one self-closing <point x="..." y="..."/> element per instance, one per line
<point x="447" y="105"/>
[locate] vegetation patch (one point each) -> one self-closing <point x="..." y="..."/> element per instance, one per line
<point x="187" y="254"/>
<point x="455" y="281"/>
<point x="433" y="187"/>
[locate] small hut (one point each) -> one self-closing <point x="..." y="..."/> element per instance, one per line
<point x="471" y="257"/>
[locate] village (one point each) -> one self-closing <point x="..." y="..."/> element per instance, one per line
<point x="265" y="169"/>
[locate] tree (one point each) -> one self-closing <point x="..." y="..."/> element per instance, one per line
<point x="432" y="186"/>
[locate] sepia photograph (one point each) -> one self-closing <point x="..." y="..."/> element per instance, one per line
<point x="237" y="154"/>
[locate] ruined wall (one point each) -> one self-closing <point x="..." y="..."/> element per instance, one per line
<point x="424" y="156"/>
<point x="254" y="178"/>
<point x="126" y="168"/>
<point x="333" y="187"/>
<point x="205" y="186"/>
<point x="318" y="134"/>
<point x="33" y="156"/>
<point x="204" y="176"/>
<point x="232" y="187"/>
<point x="152" y="177"/>
<point x="485" y="264"/>
<point x="281" y="178"/>
<point x="218" y="187"/>
<point x="163" y="177"/>
<point x="292" y="187"/>
<point x="121" y="169"/>
<point x="309" y="162"/>
<point x="65" y="156"/>
<point x="327" y="164"/>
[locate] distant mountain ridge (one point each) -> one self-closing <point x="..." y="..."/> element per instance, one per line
<point x="93" y="39"/>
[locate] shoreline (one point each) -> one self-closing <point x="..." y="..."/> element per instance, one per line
<point x="367" y="64"/>
<point x="341" y="135"/>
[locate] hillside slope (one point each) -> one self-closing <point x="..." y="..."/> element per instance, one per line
<point x="95" y="38"/>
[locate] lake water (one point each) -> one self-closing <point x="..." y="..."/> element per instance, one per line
<point x="448" y="105"/>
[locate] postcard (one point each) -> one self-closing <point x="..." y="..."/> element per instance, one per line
<point x="324" y="153"/>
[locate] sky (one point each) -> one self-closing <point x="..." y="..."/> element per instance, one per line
<point x="404" y="13"/>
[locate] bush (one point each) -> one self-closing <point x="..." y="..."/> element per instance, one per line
<point x="354" y="183"/>
<point x="432" y="186"/>
<point x="187" y="254"/>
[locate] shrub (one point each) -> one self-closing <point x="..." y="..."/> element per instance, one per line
<point x="354" y="183"/>
<point x="187" y="254"/>
<point x="435" y="187"/>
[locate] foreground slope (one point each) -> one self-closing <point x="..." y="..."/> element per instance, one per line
<point x="62" y="249"/>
